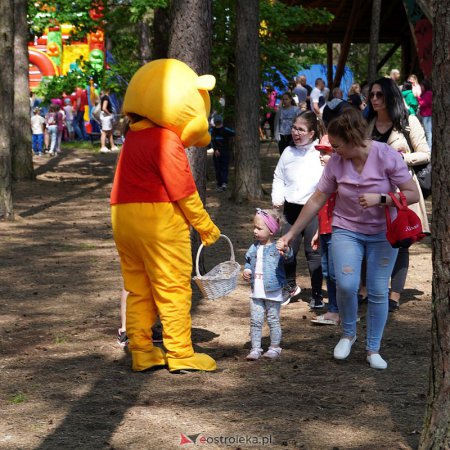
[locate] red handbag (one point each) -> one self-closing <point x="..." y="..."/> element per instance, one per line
<point x="406" y="228"/>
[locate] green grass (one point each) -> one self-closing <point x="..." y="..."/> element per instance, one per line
<point x="60" y="340"/>
<point x="18" y="398"/>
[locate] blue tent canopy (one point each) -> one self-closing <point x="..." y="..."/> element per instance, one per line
<point x="315" y="71"/>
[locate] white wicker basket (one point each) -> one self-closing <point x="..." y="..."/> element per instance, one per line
<point x="221" y="279"/>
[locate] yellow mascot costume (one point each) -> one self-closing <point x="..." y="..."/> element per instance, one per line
<point x="153" y="201"/>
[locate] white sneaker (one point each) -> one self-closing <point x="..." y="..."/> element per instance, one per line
<point x="272" y="353"/>
<point x="114" y="149"/>
<point x="343" y="348"/>
<point x="376" y="361"/>
<point x="105" y="150"/>
<point x="255" y="353"/>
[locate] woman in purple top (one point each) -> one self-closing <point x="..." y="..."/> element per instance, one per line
<point x="362" y="172"/>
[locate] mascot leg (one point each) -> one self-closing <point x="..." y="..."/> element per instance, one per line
<point x="141" y="309"/>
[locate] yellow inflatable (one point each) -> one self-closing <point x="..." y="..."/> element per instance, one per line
<point x="154" y="201"/>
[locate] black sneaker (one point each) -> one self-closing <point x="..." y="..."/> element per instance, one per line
<point x="289" y="292"/>
<point x="316" y="303"/>
<point x="156" y="336"/>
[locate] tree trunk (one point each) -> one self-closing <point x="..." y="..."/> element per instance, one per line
<point x="436" y="430"/>
<point x="161" y="31"/>
<point x="374" y="37"/>
<point x="22" y="157"/>
<point x="248" y="173"/>
<point x="6" y="106"/>
<point x="145" y="53"/>
<point x="190" y="41"/>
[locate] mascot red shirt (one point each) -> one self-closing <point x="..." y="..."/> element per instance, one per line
<point x="154" y="201"/>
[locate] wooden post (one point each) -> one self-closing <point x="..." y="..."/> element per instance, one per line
<point x="358" y="10"/>
<point x="329" y="64"/>
<point x="374" y="37"/>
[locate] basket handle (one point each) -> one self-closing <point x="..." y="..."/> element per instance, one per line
<point x="201" y="248"/>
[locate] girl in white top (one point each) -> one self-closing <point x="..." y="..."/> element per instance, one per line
<point x="296" y="177"/>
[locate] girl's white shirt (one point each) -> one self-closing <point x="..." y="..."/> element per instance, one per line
<point x="297" y="174"/>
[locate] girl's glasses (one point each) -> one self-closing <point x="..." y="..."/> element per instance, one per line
<point x="298" y="130"/>
<point x="376" y="94"/>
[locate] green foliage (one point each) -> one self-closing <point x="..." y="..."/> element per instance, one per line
<point x="42" y="13"/>
<point x="358" y="60"/>
<point x="277" y="53"/>
<point x="18" y="398"/>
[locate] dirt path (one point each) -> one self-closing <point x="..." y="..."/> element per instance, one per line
<point x="65" y="384"/>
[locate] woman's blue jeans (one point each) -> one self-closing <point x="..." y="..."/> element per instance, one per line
<point x="427" y="125"/>
<point x="349" y="248"/>
<point x="326" y="255"/>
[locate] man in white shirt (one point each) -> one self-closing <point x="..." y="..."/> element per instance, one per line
<point x="317" y="97"/>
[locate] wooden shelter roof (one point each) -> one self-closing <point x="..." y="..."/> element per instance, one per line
<point x="394" y="26"/>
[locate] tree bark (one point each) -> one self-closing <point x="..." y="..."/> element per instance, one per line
<point x="161" y="31"/>
<point x="374" y="38"/>
<point x="6" y="106"/>
<point x="191" y="41"/>
<point x="145" y="53"/>
<point x="248" y="173"/>
<point x="436" y="430"/>
<point x="22" y="157"/>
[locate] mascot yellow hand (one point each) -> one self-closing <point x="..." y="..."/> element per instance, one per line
<point x="195" y="213"/>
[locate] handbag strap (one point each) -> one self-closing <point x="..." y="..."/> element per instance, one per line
<point x="402" y="204"/>
<point x="406" y="133"/>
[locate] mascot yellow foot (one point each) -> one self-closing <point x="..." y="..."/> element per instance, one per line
<point x="199" y="361"/>
<point x="146" y="360"/>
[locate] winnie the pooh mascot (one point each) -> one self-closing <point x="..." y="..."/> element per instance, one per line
<point x="154" y="200"/>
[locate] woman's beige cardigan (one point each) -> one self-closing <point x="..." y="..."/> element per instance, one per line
<point x="419" y="154"/>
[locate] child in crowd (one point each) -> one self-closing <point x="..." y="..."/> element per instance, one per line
<point x="331" y="317"/>
<point x="51" y="121"/>
<point x="37" y="128"/>
<point x="264" y="268"/>
<point x="220" y="142"/>
<point x="68" y="110"/>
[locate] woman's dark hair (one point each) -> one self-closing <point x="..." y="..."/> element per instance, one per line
<point x="350" y="126"/>
<point x="426" y="85"/>
<point x="313" y="122"/>
<point x="394" y="102"/>
<point x="407" y="86"/>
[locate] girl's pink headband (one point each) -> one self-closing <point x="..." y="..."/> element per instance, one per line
<point x="271" y="222"/>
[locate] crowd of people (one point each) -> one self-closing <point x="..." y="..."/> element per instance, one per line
<point x="339" y="161"/>
<point x="64" y="120"/>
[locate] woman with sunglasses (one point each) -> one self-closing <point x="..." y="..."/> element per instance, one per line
<point x="295" y="179"/>
<point x="390" y="122"/>
<point x="361" y="172"/>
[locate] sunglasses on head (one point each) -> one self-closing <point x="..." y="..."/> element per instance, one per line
<point x="376" y="94"/>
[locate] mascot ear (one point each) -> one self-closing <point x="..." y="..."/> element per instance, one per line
<point x="206" y="82"/>
<point x="195" y="133"/>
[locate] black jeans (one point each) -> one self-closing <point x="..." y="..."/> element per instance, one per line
<point x="292" y="211"/>
<point x="285" y="141"/>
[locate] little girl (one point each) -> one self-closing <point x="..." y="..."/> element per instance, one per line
<point x="264" y="267"/>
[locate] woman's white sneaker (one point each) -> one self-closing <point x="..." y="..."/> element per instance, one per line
<point x="343" y="348"/>
<point x="376" y="361"/>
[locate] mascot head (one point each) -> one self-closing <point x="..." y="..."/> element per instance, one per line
<point x="171" y="95"/>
